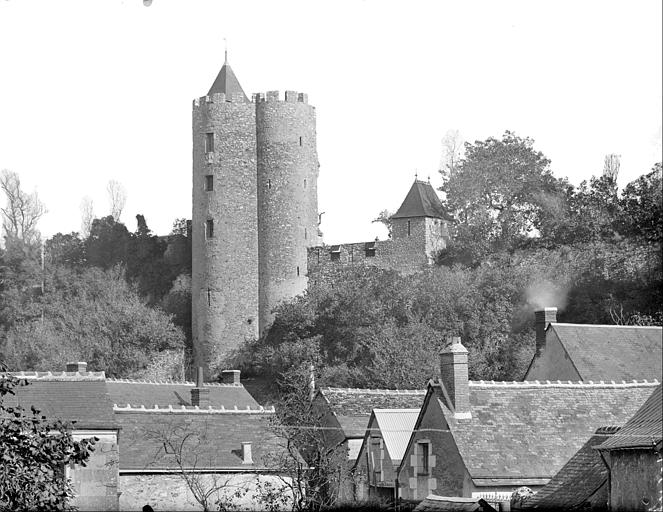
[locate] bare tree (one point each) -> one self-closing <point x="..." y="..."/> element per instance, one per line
<point x="452" y="152"/>
<point x="187" y="445"/>
<point x="22" y="211"/>
<point x="117" y="197"/>
<point x="611" y="165"/>
<point x="87" y="216"/>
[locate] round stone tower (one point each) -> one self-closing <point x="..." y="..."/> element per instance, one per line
<point x="287" y="196"/>
<point x="224" y="287"/>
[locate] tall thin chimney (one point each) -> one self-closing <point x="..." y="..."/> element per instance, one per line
<point x="542" y="319"/>
<point x="200" y="394"/>
<point x="454" y="377"/>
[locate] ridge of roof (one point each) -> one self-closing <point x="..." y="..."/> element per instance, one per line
<point x="59" y="376"/>
<point x="376" y="391"/>
<point x="563" y="324"/>
<point x="421" y="201"/>
<point x="560" y="384"/>
<point x="174" y="382"/>
<point x="191" y="410"/>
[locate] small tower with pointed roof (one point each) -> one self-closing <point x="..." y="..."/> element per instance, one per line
<point x="422" y="219"/>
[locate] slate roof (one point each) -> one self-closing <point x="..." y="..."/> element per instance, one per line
<point x="226" y="82"/>
<point x="68" y="396"/>
<point x="613" y="352"/>
<point x="352" y="407"/>
<point x="149" y="393"/>
<point x="216" y="443"/>
<point x="643" y="430"/>
<point x="580" y="481"/>
<point x="434" y="503"/>
<point x="529" y="430"/>
<point x="422" y="201"/>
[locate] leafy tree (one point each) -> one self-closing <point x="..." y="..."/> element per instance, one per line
<point x="641" y="205"/>
<point x="498" y="191"/>
<point x="34" y="452"/>
<point x="68" y="250"/>
<point x="108" y="243"/>
<point x="90" y="315"/>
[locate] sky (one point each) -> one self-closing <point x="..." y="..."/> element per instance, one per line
<point x="99" y="90"/>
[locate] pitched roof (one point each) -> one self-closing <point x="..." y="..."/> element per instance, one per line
<point x="643" y="430"/>
<point x="163" y="394"/>
<point x="68" y="396"/>
<point x="434" y="503"/>
<point x="529" y="430"/>
<point x="395" y="426"/>
<point x="352" y="407"/>
<point x="226" y="82"/>
<point x="214" y="439"/>
<point x="421" y="201"/>
<point x="613" y="352"/>
<point x="581" y="480"/>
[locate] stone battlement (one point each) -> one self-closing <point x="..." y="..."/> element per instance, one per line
<point x="59" y="376"/>
<point x="258" y="97"/>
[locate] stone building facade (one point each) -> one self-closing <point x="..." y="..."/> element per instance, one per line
<point x="255" y="170"/>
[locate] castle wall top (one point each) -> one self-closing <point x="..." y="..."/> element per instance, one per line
<point x="259" y="97"/>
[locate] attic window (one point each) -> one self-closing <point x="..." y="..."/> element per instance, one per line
<point x="423" y="467"/>
<point x="369" y="248"/>
<point x="209" y="142"/>
<point x="209" y="182"/>
<point x="335" y="253"/>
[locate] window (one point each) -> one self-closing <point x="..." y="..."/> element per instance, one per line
<point x="305" y="234"/>
<point x="376" y="457"/>
<point x="335" y="253"/>
<point x="300" y="141"/>
<point x="209" y="142"/>
<point x="318" y="254"/>
<point x="297" y="271"/>
<point x="209" y="228"/>
<point x="369" y="249"/>
<point x="269" y="183"/>
<point x="209" y="297"/>
<point x="209" y="182"/>
<point x="408" y="228"/>
<point x="304" y="182"/>
<point x="423" y="467"/>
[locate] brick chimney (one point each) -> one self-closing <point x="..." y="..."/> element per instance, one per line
<point x="200" y="394"/>
<point x="230" y="376"/>
<point x="247" y="456"/>
<point x="542" y="319"/>
<point x="454" y="377"/>
<point x="77" y="366"/>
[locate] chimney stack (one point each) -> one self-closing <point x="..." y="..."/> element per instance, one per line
<point x="77" y="366"/>
<point x="542" y="319"/>
<point x="200" y="394"/>
<point x="247" y="456"/>
<point x="230" y="377"/>
<point x="454" y="377"/>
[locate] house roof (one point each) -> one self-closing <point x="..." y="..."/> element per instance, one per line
<point x="214" y="439"/>
<point x="529" y="430"/>
<point x="421" y="201"/>
<point x="150" y="393"/>
<point x="395" y="426"/>
<point x="434" y="503"/>
<point x="643" y="430"/>
<point x="612" y="352"/>
<point x="68" y="396"/>
<point x="226" y="82"/>
<point x="578" y="481"/>
<point x="352" y="407"/>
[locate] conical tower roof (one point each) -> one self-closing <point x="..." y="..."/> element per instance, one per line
<point x="421" y="201"/>
<point x="226" y="82"/>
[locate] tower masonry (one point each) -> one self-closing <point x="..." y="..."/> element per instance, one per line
<point x="255" y="171"/>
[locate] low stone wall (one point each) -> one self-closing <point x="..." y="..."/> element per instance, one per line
<point x="170" y="491"/>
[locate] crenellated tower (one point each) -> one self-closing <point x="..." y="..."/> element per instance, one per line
<point x="255" y="171"/>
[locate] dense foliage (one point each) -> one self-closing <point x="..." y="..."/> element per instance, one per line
<point x="34" y="452"/>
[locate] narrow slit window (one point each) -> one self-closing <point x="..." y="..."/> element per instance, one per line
<point x="269" y="183"/>
<point x="209" y="297"/>
<point x="318" y="254"/>
<point x="408" y="228"/>
<point x="305" y="234"/>
<point x="209" y="142"/>
<point x="209" y="228"/>
<point x="300" y="141"/>
<point x="304" y="182"/>
<point x="297" y="271"/>
<point x="209" y="182"/>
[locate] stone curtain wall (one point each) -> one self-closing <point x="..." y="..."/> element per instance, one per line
<point x="225" y="266"/>
<point x="287" y="196"/>
<point x="170" y="492"/>
<point x="96" y="485"/>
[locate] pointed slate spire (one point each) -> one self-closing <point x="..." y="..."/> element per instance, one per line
<point x="421" y="201"/>
<point x="226" y="82"/>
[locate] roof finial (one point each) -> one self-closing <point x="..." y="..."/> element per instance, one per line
<point x="415" y="175"/>
<point x="225" y="42"/>
<point x="429" y="178"/>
